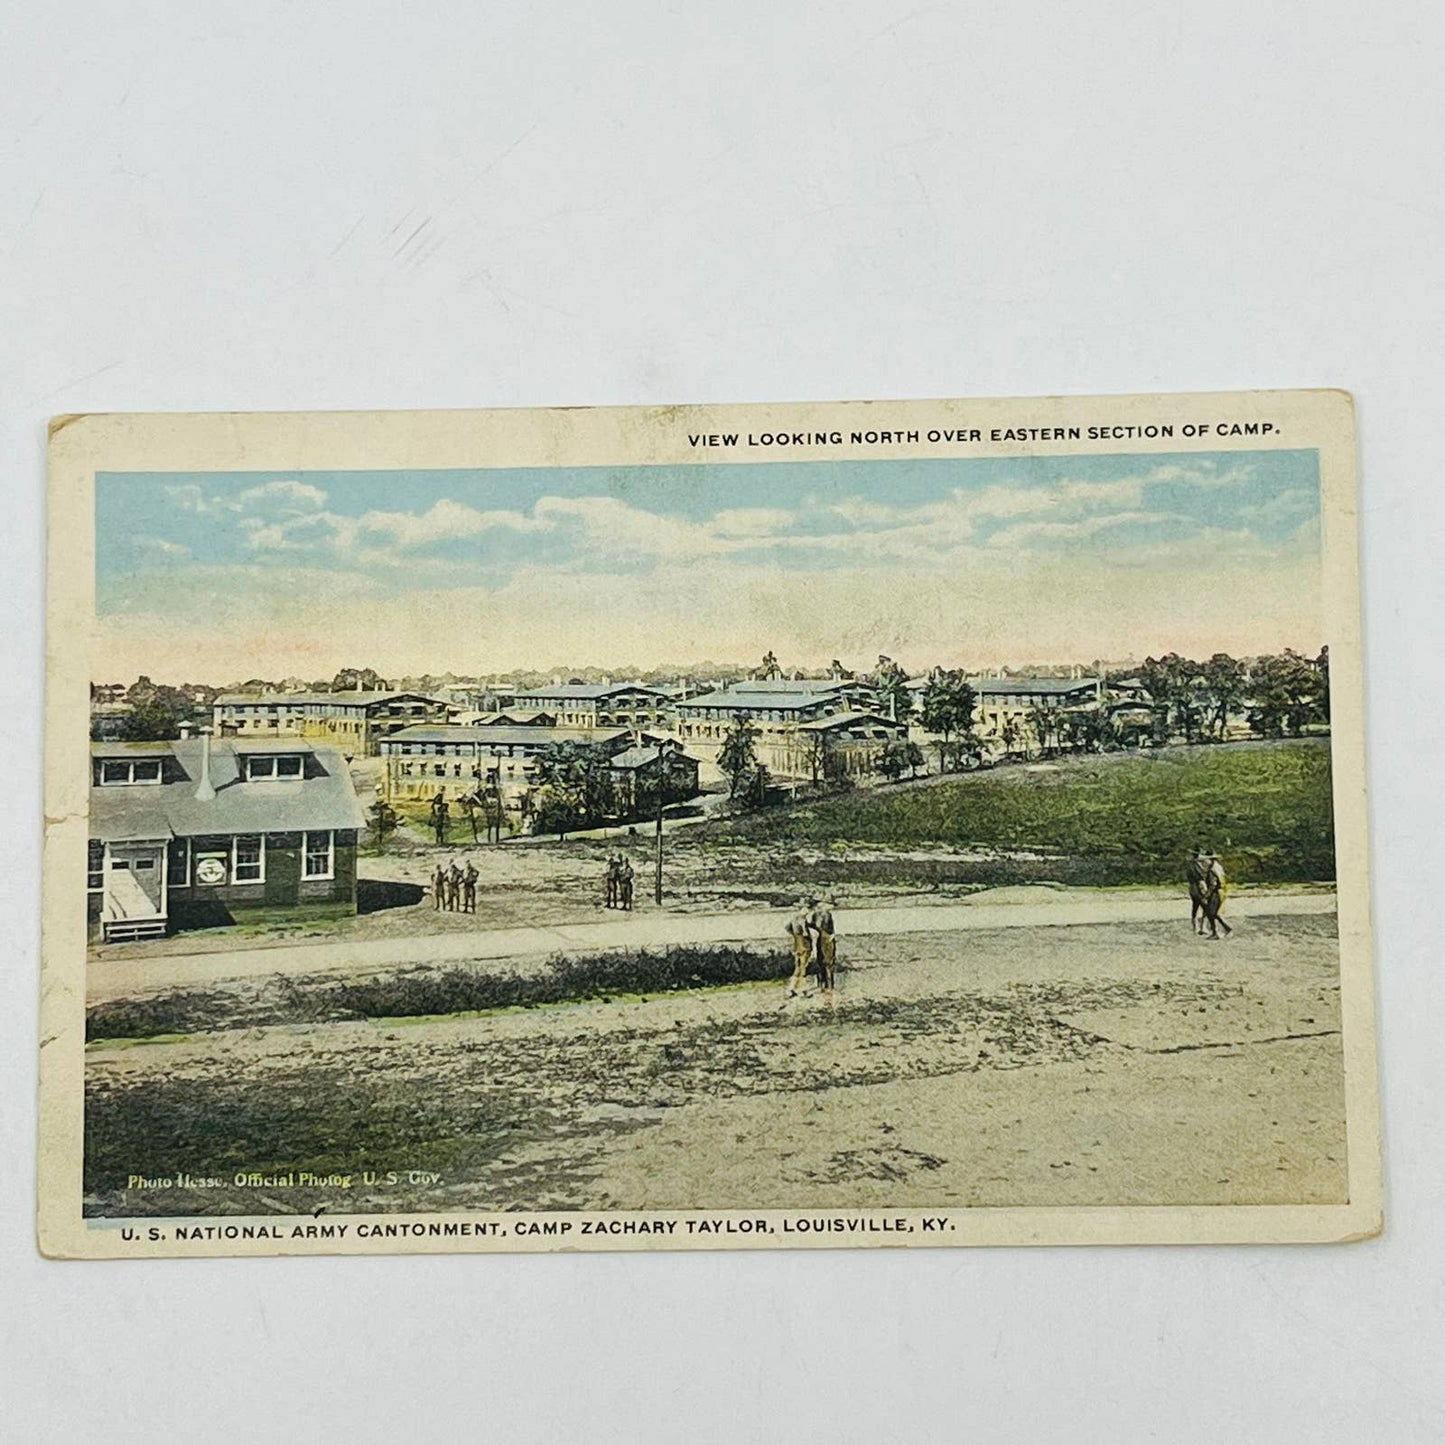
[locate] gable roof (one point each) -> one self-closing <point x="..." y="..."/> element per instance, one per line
<point x="501" y="735"/>
<point x="316" y="699"/>
<point x="740" y="699"/>
<point x="641" y="755"/>
<point x="587" y="691"/>
<point x="852" y="719"/>
<point x="1040" y="686"/>
<point x="322" y="800"/>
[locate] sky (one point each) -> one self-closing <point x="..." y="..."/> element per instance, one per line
<point x="209" y="577"/>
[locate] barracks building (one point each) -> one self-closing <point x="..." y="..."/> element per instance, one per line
<point x="196" y="833"/>
<point x="353" y="721"/>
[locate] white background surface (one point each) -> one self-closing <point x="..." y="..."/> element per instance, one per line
<point x="262" y="205"/>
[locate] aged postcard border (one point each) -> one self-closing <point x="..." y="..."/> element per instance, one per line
<point x="81" y="446"/>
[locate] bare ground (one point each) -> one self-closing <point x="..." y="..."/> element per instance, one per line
<point x="1105" y="1063"/>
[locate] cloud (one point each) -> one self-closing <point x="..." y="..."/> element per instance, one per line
<point x="1034" y="565"/>
<point x="752" y="522"/>
<point x="1024" y="533"/>
<point x="282" y="496"/>
<point x="159" y="549"/>
<point x="188" y="497"/>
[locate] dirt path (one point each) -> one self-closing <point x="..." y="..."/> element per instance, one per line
<point x="117" y="977"/>
<point x="1112" y="1063"/>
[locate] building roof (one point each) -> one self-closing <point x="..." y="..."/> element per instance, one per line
<point x="793" y="684"/>
<point x="586" y="691"/>
<point x="308" y="699"/>
<point x="641" y="756"/>
<point x="172" y="810"/>
<point x="851" y="719"/>
<point x="502" y="736"/>
<point x="1041" y="686"/>
<point x="737" y="699"/>
<point x="243" y="747"/>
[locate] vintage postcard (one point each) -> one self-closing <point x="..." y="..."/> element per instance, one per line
<point x="900" y="823"/>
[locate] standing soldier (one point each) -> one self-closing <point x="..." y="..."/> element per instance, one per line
<point x="824" y="942"/>
<point x="454" y="887"/>
<point x="469" y="887"/>
<point x="438" y="888"/>
<point x="614" y="879"/>
<point x="440" y="815"/>
<point x="1215" y="884"/>
<point x="626" y="885"/>
<point x="1196" y="871"/>
<point x="802" y="948"/>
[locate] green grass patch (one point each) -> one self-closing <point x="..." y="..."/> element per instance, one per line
<point x="630" y="973"/>
<point x="422" y="993"/>
<point x="166" y="1017"/>
<point x="1103" y="821"/>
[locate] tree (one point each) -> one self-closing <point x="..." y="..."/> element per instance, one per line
<point x="890" y="682"/>
<point x="1009" y="735"/>
<point x="469" y="803"/>
<point x="353" y="679"/>
<point x="156" y="711"/>
<point x="754" y="792"/>
<point x="1160" y="681"/>
<point x="383" y="820"/>
<point x="576" y="783"/>
<point x="1086" y="729"/>
<point x="948" y="704"/>
<point x="1046" y="726"/>
<point x="1225" y="682"/>
<point x="738" y="755"/>
<point x="898" y="757"/>
<point x="1287" y="692"/>
<point x="1322" y="673"/>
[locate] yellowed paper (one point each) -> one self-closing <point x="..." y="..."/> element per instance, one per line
<point x="898" y="823"/>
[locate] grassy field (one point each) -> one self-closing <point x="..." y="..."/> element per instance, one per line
<point x="1115" y="819"/>
<point x="422" y="992"/>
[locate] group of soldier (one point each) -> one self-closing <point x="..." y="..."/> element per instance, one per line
<point x="815" y="944"/>
<point x="1207" y="884"/>
<point x="455" y="889"/>
<point x="619" y="885"/>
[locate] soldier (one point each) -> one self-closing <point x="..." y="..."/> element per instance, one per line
<point x="614" y="879"/>
<point x="625" y="885"/>
<point x="824" y="942"/>
<point x="440" y="815"/>
<point x="454" y="887"/>
<point x="1195" y="872"/>
<point x="438" y="888"/>
<point x="802" y="947"/>
<point x="1215" y="885"/>
<point x="469" y="887"/>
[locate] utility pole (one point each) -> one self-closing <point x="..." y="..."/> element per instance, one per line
<point x="661" y="796"/>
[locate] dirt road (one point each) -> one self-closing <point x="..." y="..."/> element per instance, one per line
<point x="1065" y="1063"/>
<point x="117" y="976"/>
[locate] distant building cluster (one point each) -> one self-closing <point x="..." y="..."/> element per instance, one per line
<point x="259" y="813"/>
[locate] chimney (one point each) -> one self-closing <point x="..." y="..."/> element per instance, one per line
<point x="185" y="729"/>
<point x="205" y="789"/>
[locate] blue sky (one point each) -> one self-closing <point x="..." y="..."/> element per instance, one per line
<point x="886" y="550"/>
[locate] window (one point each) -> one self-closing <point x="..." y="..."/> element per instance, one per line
<point x="95" y="867"/>
<point x="115" y="771"/>
<point x="178" y="865"/>
<point x="287" y="765"/>
<point x="320" y="855"/>
<point x="248" y="859"/>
